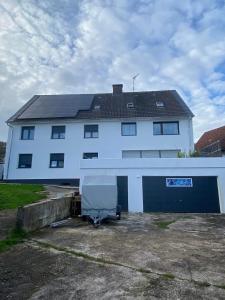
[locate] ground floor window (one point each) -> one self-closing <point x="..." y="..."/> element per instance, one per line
<point x="56" y="160"/>
<point x="90" y="155"/>
<point x="25" y="161"/>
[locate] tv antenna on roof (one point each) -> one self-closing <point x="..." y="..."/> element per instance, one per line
<point x="134" y="77"/>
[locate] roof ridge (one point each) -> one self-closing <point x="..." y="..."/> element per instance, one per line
<point x="214" y="129"/>
<point x="108" y="93"/>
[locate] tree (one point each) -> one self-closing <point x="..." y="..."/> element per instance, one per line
<point x="2" y="151"/>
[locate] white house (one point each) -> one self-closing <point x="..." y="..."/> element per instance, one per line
<point x="51" y="134"/>
<point x="135" y="136"/>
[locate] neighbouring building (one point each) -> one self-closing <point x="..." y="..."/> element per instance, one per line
<point x="212" y="142"/>
<point x="51" y="134"/>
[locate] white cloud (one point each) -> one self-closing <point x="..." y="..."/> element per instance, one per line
<point x="70" y="46"/>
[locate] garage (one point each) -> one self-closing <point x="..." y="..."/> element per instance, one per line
<point x="122" y="186"/>
<point x="197" y="194"/>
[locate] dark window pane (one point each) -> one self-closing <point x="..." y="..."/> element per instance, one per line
<point x="56" y="160"/>
<point x="157" y="128"/>
<point x="91" y="128"/>
<point x="27" y="133"/>
<point x="90" y="155"/>
<point x="170" y="128"/>
<point x="91" y="131"/>
<point x="25" y="161"/>
<point x="58" y="132"/>
<point x="31" y="136"/>
<point x="128" y="128"/>
<point x="166" y="128"/>
<point x="61" y="163"/>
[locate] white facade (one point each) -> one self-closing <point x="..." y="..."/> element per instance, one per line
<point x="135" y="169"/>
<point x="109" y="145"/>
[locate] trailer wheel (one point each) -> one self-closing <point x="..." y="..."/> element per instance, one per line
<point x="118" y="216"/>
<point x="90" y="221"/>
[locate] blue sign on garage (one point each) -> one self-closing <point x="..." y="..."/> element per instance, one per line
<point x="197" y="194"/>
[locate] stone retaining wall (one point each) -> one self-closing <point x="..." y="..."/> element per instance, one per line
<point x="37" y="215"/>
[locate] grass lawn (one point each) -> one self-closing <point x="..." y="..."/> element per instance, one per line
<point x="15" y="195"/>
<point x="14" y="237"/>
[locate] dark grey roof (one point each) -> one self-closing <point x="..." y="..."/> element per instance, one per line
<point x="54" y="106"/>
<point x="97" y="106"/>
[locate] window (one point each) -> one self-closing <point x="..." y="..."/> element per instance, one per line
<point x="58" y="132"/>
<point x="159" y="104"/>
<point x="140" y="154"/>
<point x="90" y="131"/>
<point x="131" y="154"/>
<point x="149" y="153"/>
<point x="166" y="128"/>
<point x="90" y="155"/>
<point x="130" y="105"/>
<point x="169" y="153"/>
<point x="56" y="160"/>
<point x="27" y="133"/>
<point x="25" y="161"/>
<point x="128" y="129"/>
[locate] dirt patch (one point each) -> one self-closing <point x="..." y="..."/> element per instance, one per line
<point x="7" y="221"/>
<point x="54" y="191"/>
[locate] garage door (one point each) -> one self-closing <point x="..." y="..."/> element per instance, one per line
<point x="180" y="194"/>
<point x="122" y="186"/>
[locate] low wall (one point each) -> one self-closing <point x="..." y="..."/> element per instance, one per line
<point x="37" y="215"/>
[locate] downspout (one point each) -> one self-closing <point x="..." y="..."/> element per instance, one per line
<point x="9" y="151"/>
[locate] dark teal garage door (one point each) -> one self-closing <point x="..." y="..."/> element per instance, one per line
<point x="122" y="186"/>
<point x="180" y="194"/>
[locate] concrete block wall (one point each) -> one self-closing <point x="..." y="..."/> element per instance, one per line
<point x="37" y="215"/>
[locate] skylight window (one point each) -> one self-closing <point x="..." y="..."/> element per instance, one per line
<point x="159" y="104"/>
<point x="130" y="105"/>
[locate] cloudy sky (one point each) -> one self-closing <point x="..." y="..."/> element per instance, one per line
<point x="79" y="46"/>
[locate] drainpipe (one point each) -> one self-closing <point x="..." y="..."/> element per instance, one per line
<point x="9" y="150"/>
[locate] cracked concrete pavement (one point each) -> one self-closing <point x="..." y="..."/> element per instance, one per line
<point x="143" y="256"/>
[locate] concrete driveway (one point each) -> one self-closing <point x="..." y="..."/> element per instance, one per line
<point x="142" y="256"/>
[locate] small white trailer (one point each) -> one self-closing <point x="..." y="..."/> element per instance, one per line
<point x="99" y="199"/>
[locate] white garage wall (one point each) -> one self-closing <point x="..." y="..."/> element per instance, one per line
<point x="136" y="168"/>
